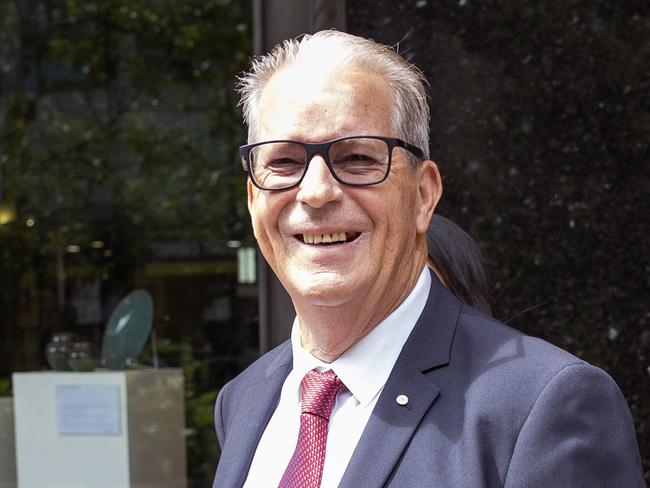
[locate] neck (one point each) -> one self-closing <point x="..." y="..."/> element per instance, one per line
<point x="326" y="332"/>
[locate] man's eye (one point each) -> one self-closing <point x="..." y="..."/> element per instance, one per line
<point x="284" y="164"/>
<point x="357" y="158"/>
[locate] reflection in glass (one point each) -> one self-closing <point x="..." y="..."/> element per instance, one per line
<point x="127" y="330"/>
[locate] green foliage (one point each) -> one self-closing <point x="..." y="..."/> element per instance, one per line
<point x="5" y="387"/>
<point x="202" y="445"/>
<point x="130" y="101"/>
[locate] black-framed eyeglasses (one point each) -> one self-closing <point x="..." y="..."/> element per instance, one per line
<point x="355" y="160"/>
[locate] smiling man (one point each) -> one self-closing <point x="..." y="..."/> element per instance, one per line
<point x="388" y="380"/>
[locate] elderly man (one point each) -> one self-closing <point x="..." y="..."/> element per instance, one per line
<point x="388" y="380"/>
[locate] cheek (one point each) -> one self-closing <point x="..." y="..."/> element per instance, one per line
<point x="265" y="214"/>
<point x="258" y="210"/>
<point x="387" y="215"/>
<point x="401" y="220"/>
<point x="255" y="218"/>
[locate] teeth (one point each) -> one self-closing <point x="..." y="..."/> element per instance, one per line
<point x="324" y="238"/>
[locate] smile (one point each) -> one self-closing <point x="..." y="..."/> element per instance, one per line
<point x="334" y="238"/>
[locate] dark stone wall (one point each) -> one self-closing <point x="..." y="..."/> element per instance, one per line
<point x="541" y="129"/>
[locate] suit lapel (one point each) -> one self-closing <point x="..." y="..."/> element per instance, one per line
<point x="256" y="407"/>
<point x="389" y="428"/>
<point x="391" y="424"/>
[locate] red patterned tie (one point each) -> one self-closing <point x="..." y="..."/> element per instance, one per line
<point x="305" y="469"/>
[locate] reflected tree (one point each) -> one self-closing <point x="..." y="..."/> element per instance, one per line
<point x="121" y="115"/>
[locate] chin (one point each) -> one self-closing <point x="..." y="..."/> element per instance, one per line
<point x="320" y="289"/>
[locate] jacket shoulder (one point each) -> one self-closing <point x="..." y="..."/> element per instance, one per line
<point x="227" y="404"/>
<point x="256" y="372"/>
<point x="488" y="343"/>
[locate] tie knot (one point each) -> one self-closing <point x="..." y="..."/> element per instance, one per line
<point x="319" y="392"/>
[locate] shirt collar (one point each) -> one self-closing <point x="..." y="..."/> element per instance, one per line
<point x="365" y="367"/>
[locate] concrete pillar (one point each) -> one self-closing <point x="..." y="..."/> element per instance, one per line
<point x="274" y="21"/>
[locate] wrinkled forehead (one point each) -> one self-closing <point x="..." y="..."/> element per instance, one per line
<point x="317" y="102"/>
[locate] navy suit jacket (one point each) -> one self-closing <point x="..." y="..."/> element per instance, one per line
<point x="488" y="406"/>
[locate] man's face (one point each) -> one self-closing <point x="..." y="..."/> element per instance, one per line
<point x="383" y="224"/>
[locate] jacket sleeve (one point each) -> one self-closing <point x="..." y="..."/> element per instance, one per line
<point x="578" y="433"/>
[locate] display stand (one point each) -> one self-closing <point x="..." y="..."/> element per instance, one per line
<point x="106" y="429"/>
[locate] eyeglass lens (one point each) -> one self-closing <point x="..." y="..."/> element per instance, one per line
<point x="356" y="161"/>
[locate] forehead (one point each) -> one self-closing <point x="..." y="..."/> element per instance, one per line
<point x="306" y="103"/>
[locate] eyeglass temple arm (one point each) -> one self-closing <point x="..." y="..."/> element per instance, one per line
<point x="410" y="147"/>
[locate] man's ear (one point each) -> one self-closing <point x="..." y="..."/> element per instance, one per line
<point x="429" y="193"/>
<point x="250" y="190"/>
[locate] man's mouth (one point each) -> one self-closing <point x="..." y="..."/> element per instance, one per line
<point x="335" y="238"/>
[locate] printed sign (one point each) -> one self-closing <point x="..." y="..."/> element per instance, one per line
<point x="88" y="409"/>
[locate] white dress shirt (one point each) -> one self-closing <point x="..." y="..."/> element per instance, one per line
<point x="363" y="369"/>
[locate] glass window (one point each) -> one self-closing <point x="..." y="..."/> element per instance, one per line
<point x="118" y="171"/>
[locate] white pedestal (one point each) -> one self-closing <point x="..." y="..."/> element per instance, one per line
<point x="7" y="444"/>
<point x="112" y="429"/>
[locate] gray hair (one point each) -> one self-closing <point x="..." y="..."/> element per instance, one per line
<point x="334" y="50"/>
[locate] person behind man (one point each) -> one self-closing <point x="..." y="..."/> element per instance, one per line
<point x="458" y="263"/>
<point x="388" y="379"/>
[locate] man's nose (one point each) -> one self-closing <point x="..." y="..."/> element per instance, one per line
<point x="318" y="187"/>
